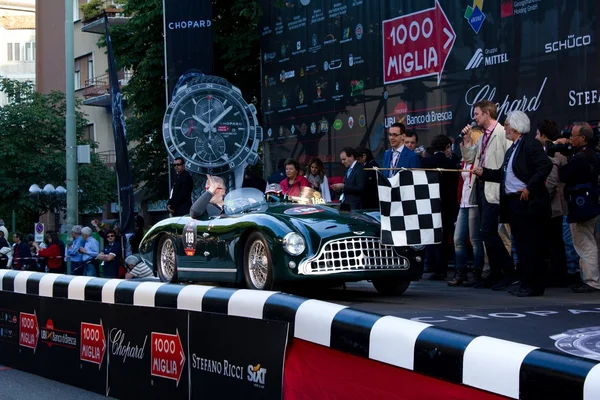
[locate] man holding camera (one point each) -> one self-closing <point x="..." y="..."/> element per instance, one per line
<point x="580" y="176"/>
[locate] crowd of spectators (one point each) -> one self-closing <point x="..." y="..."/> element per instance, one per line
<point x="117" y="258"/>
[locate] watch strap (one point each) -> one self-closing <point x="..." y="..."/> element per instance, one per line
<point x="194" y="78"/>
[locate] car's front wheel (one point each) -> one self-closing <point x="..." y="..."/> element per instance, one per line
<point x="391" y="286"/>
<point x="167" y="260"/>
<point x="258" y="265"/>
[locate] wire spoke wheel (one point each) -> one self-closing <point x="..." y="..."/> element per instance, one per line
<point x="167" y="261"/>
<point x="258" y="264"/>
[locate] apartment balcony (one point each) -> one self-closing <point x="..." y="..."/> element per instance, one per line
<point x="97" y="90"/>
<point x="108" y="157"/>
<point x="93" y="16"/>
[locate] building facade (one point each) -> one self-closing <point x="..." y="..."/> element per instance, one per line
<point x="17" y="42"/>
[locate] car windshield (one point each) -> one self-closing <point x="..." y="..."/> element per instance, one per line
<point x="244" y="200"/>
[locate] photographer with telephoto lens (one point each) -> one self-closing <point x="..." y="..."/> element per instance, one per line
<point x="580" y="176"/>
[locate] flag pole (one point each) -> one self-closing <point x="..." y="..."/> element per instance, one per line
<point x="418" y="169"/>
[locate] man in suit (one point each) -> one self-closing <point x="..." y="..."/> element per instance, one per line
<point x="371" y="193"/>
<point x="436" y="256"/>
<point x="489" y="153"/>
<point x="354" y="180"/>
<point x="181" y="195"/>
<point x="524" y="199"/>
<point x="399" y="156"/>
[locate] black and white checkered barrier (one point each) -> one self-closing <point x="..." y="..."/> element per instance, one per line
<point x="507" y="368"/>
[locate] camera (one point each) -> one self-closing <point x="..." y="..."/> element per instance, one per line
<point x="564" y="149"/>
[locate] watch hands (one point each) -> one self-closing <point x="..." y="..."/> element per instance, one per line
<point x="218" y="119"/>
<point x="197" y="118"/>
<point x="191" y="129"/>
<point x="211" y="149"/>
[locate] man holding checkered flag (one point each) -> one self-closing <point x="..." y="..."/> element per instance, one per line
<point x="412" y="210"/>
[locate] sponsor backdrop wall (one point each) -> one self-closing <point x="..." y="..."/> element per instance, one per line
<point x="336" y="73"/>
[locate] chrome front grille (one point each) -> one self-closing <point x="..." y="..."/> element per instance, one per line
<point x="351" y="255"/>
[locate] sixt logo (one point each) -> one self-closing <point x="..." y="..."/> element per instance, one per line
<point x="257" y="375"/>
<point x="475" y="15"/>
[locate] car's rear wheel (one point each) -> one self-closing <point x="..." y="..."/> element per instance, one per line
<point x="167" y="260"/>
<point x="391" y="286"/>
<point x="258" y="265"/>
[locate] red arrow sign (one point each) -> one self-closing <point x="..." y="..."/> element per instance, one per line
<point x="167" y="356"/>
<point x="29" y="332"/>
<point x="93" y="343"/>
<point x="416" y="45"/>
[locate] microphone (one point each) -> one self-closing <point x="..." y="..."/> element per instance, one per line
<point x="473" y="124"/>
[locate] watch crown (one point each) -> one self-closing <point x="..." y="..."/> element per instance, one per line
<point x="253" y="158"/>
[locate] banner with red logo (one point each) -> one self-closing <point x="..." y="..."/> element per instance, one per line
<point x="103" y="348"/>
<point x="337" y="74"/>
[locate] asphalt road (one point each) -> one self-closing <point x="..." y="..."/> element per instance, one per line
<point x="559" y="320"/>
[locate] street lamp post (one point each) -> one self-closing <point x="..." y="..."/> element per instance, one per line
<point x="51" y="195"/>
<point x="71" y="136"/>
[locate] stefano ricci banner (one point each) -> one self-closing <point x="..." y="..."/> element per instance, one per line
<point x="188" y="40"/>
<point x="338" y="73"/>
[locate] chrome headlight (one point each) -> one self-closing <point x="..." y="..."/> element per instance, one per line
<point x="417" y="248"/>
<point x="293" y="243"/>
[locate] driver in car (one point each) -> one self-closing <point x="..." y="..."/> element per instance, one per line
<point x="210" y="203"/>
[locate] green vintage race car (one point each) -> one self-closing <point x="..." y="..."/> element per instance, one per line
<point x="263" y="244"/>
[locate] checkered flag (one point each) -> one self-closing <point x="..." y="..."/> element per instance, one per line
<point x="410" y="207"/>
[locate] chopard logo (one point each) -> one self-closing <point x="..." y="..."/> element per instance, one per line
<point x="487" y="92"/>
<point x="119" y="349"/>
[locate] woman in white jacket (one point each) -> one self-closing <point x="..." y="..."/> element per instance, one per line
<point x="318" y="180"/>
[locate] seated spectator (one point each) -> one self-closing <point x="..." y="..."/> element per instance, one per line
<point x="293" y="183"/>
<point x="54" y="259"/>
<point x="136" y="268"/>
<point x="318" y="180"/>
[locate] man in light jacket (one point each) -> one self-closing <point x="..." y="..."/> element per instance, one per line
<point x="490" y="154"/>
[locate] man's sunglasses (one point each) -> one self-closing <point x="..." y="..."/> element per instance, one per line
<point x="110" y="236"/>
<point x="177" y="164"/>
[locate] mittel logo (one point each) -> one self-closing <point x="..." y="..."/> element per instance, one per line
<point x="489" y="57"/>
<point x="474" y="14"/>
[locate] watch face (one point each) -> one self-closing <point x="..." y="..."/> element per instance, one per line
<point x="211" y="127"/>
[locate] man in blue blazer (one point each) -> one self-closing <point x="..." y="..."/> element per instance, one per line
<point x="398" y="156"/>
